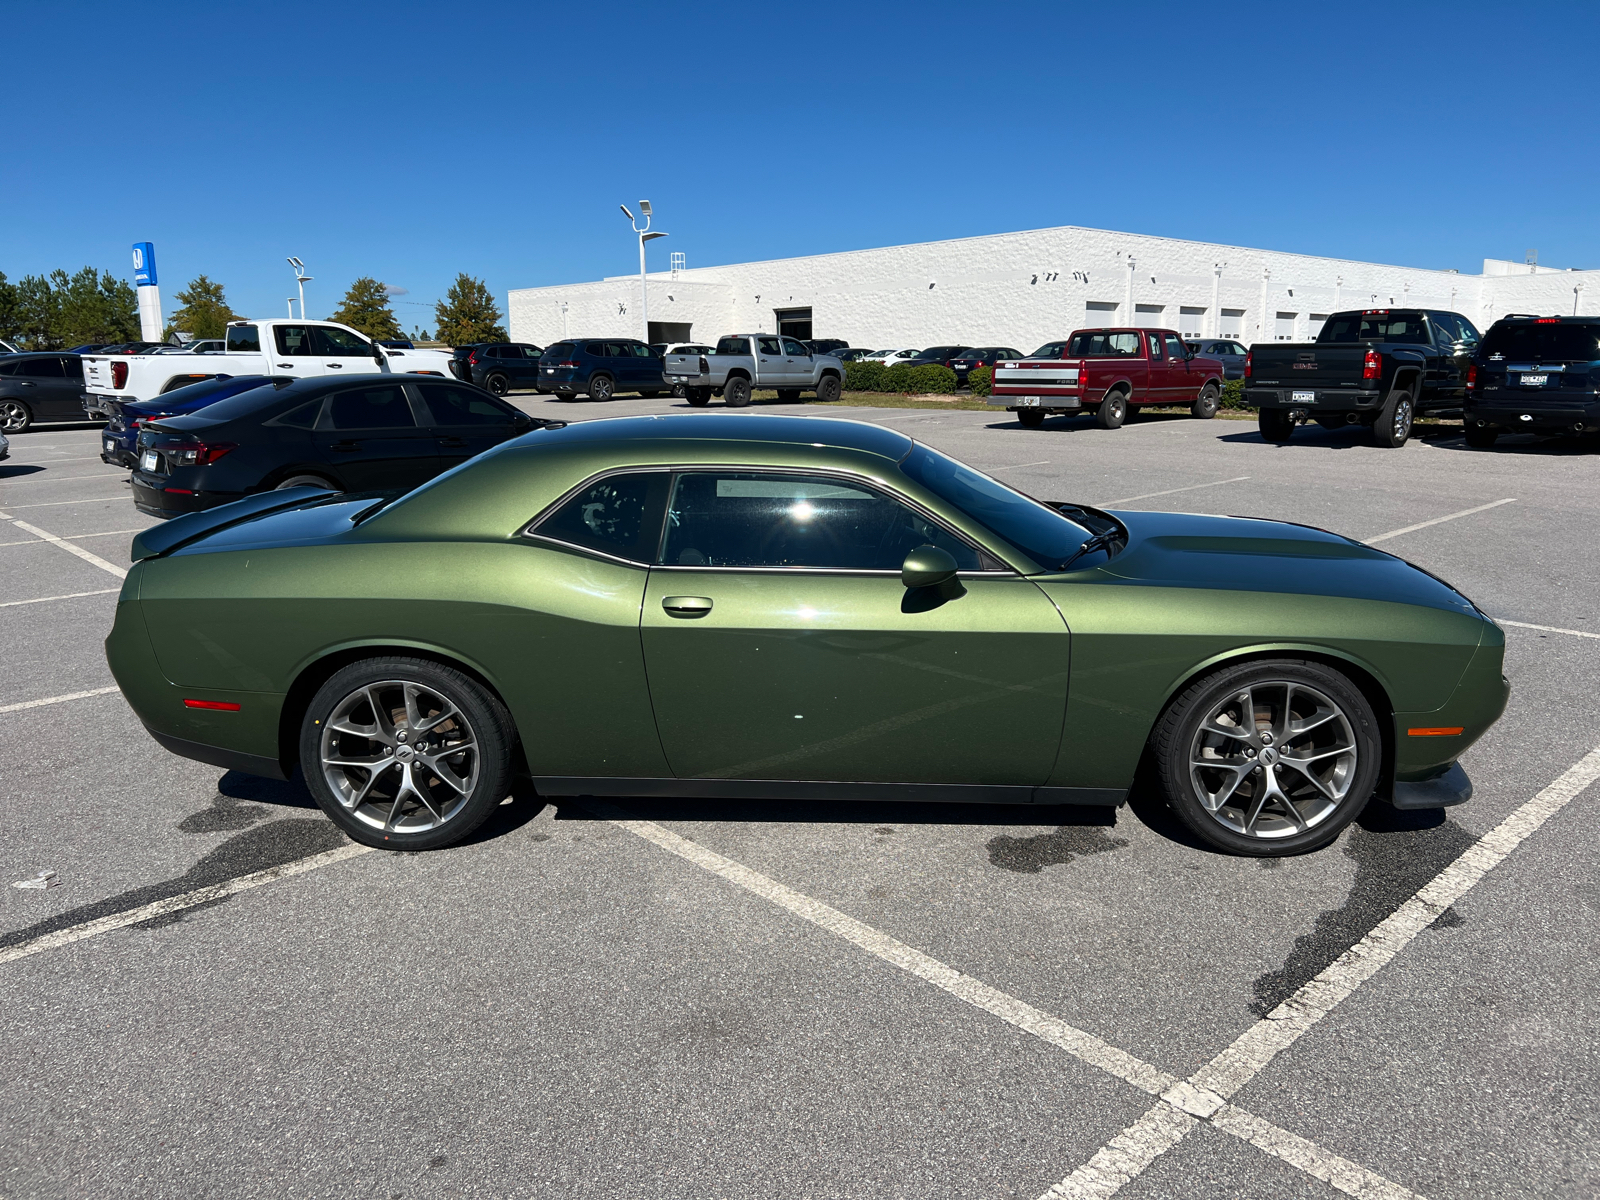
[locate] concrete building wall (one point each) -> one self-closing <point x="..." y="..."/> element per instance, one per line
<point x="1024" y="289"/>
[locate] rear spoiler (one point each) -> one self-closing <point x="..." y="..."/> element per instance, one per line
<point x="180" y="531"/>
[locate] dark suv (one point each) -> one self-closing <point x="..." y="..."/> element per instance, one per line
<point x="501" y="366"/>
<point x="601" y="369"/>
<point x="1534" y="375"/>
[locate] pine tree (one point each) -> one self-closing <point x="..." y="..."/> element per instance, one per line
<point x="365" y="308"/>
<point x="468" y="314"/>
<point x="205" y="312"/>
<point x="8" y="308"/>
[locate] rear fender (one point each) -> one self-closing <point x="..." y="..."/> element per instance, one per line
<point x="180" y="531"/>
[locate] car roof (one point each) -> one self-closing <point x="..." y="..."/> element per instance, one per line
<point x="753" y="428"/>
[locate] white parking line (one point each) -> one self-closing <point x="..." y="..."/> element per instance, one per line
<point x="14" y="482"/>
<point x="78" y="551"/>
<point x="1465" y="512"/>
<point x="47" y="599"/>
<point x="73" y="537"/>
<point x="105" y="691"/>
<point x="59" y="503"/>
<point x="1253" y="1050"/>
<point x="1194" y="487"/>
<point x="1583" y="633"/>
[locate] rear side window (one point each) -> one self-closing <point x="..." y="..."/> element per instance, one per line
<point x="382" y="407"/>
<point x="294" y="341"/>
<point x="461" y="406"/>
<point x="304" y="417"/>
<point x="733" y="345"/>
<point x="598" y="349"/>
<point x="42" y="368"/>
<point x="1529" y="342"/>
<point x="244" y="337"/>
<point x="9" y="368"/>
<point x="335" y="342"/>
<point x="619" y="515"/>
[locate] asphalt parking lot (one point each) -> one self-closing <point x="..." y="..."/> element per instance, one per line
<point x="697" y="1000"/>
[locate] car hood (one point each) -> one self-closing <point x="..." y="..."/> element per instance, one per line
<point x="1245" y="554"/>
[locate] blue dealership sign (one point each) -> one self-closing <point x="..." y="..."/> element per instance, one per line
<point x="144" y="264"/>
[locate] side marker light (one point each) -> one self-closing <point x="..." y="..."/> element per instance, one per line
<point x="1437" y="731"/>
<point x="218" y="705"/>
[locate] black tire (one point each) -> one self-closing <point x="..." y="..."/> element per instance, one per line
<point x="601" y="387"/>
<point x="1113" y="410"/>
<point x="1190" y="735"/>
<point x="484" y="766"/>
<point x="1276" y="425"/>
<point x="650" y="395"/>
<point x="1392" y="429"/>
<point x="736" y="392"/>
<point x="566" y="396"/>
<point x="15" y="416"/>
<point x="295" y="481"/>
<point x="680" y="391"/>
<point x="788" y="395"/>
<point x="698" y="397"/>
<point x="1206" y="403"/>
<point x="1030" y="418"/>
<point x="828" y="390"/>
<point x="498" y="384"/>
<point x="1481" y="437"/>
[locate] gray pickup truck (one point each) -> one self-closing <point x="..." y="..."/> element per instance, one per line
<point x="743" y="362"/>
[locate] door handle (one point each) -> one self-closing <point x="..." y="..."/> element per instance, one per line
<point x="687" y="606"/>
<point x="335" y="366"/>
<point x="287" y="366"/>
<point x="453" y="443"/>
<point x="347" y="446"/>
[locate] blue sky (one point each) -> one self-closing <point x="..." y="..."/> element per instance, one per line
<point x="409" y="142"/>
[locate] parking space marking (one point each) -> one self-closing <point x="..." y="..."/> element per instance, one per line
<point x="59" y="503"/>
<point x="1466" y="512"/>
<point x="1172" y="492"/>
<point x="161" y="908"/>
<point x="105" y="691"/>
<point x="47" y="599"/>
<point x="1584" y="633"/>
<point x="92" y="559"/>
<point x="1181" y="1107"/>
<point x="73" y="537"/>
<point x="1254" y="1050"/>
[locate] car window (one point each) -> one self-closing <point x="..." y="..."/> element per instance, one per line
<point x="640" y="350"/>
<point x="619" y="515"/>
<point x="1448" y="326"/>
<point x="381" y="407"/>
<point x="769" y="345"/>
<point x="1050" y="350"/>
<point x="42" y="368"/>
<point x="293" y="340"/>
<point x="1155" y="346"/>
<point x="9" y="368"/>
<point x="304" y="417"/>
<point x="452" y="405"/>
<point x="1175" y="350"/>
<point x="1376" y="326"/>
<point x="1469" y="331"/>
<point x="1525" y="341"/>
<point x="617" y="350"/>
<point x="244" y="337"/>
<point x="1102" y="344"/>
<point x="532" y="352"/>
<point x="749" y="519"/>
<point x="340" y="342"/>
<point x="598" y="349"/>
<point x="561" y="351"/>
<point x="790" y="346"/>
<point x="733" y="345"/>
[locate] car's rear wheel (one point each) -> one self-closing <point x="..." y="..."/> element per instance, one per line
<point x="1205" y="404"/>
<point x="1113" y="410"/>
<point x="788" y="395"/>
<point x="1030" y="418"/>
<point x="1276" y="425"/>
<point x="1392" y="429"/>
<point x="651" y="394"/>
<point x="295" y="481"/>
<point x="601" y="388"/>
<point x="828" y="390"/>
<point x="736" y="393"/>
<point x="699" y="397"/>
<point x="680" y="390"/>
<point x="560" y="395"/>
<point x="406" y="753"/>
<point x="1268" y="758"/>
<point x="15" y="416"/>
<point x="498" y="384"/>
<point x="1481" y="437"/>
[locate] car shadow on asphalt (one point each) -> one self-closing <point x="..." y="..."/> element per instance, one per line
<point x="18" y="470"/>
<point x="830" y="812"/>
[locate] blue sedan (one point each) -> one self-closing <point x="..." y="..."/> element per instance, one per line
<point x="119" y="444"/>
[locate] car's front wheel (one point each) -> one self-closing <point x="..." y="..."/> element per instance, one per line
<point x="1268" y="758"/>
<point x="406" y="753"/>
<point x="828" y="390"/>
<point x="15" y="416"/>
<point x="1205" y="404"/>
<point x="498" y="384"/>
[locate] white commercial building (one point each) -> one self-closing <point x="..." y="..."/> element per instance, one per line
<point x="1024" y="289"/>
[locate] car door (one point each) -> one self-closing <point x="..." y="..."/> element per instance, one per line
<point x="797" y="363"/>
<point x="526" y="369"/>
<point x="650" y="377"/>
<point x="1454" y="355"/>
<point x="1183" y="378"/>
<point x="464" y="421"/>
<point x="1158" y="381"/>
<point x="371" y="438"/>
<point x="771" y="369"/>
<point x="780" y="643"/>
<point x="342" y="352"/>
<point x="295" y="353"/>
<point x="46" y="386"/>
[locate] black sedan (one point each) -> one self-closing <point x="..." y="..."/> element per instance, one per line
<point x="40" y="387"/>
<point x="937" y="356"/>
<point x="985" y="356"/>
<point x="361" y="433"/>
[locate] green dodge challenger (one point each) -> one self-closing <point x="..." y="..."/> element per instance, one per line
<point x="794" y="608"/>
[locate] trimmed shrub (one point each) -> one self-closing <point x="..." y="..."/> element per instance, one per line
<point x="863" y="377"/>
<point x="875" y="377"/>
<point x="1233" y="395"/>
<point x="981" y="380"/>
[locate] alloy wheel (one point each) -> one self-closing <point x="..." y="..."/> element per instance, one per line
<point x="1273" y="759"/>
<point x="1402" y="421"/>
<point x="13" y="417"/>
<point x="400" y="756"/>
<point x="600" y="388"/>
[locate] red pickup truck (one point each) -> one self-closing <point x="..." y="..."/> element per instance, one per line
<point x="1106" y="372"/>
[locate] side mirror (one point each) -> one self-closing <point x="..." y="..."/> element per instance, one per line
<point x="377" y="352"/>
<point x="928" y="566"/>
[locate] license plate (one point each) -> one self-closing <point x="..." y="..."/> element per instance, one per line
<point x="147" y="461"/>
<point x="1028" y="401"/>
<point x="1303" y="397"/>
<point x="1534" y="380"/>
<point x="110" y="445"/>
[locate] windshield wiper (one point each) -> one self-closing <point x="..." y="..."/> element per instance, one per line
<point x="1098" y="542"/>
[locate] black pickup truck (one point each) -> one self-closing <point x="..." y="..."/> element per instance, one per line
<point x="1382" y="368"/>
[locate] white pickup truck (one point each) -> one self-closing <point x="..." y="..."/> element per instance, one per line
<point x="292" y="349"/>
<point x="743" y="362"/>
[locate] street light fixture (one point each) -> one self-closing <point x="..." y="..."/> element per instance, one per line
<point x="302" y="279"/>
<point x="644" y="236"/>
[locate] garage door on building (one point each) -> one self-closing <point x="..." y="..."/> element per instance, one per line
<point x="794" y="322"/>
<point x="1190" y="320"/>
<point x="1099" y="312"/>
<point x="1283" y="327"/>
<point x="1148" y="316"/>
<point x="670" y="332"/>
<point x="1232" y="325"/>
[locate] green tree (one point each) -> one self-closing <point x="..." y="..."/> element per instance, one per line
<point x="468" y="314"/>
<point x="51" y="311"/>
<point x="8" y="308"/>
<point x="205" y="312"/>
<point x="39" y="312"/>
<point x="365" y="307"/>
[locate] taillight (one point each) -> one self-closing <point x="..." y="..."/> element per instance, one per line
<point x="473" y="357"/>
<point x="1083" y="374"/>
<point x="1372" y="366"/>
<point x="1472" y="376"/>
<point x="119" y="374"/>
<point x="1249" y="362"/>
<point x="705" y="367"/>
<point x="196" y="454"/>
<point x="1547" y="321"/>
<point x="570" y="365"/>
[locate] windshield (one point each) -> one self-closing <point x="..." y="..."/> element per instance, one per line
<point x="1530" y="342"/>
<point x="1041" y="533"/>
<point x="1050" y="350"/>
<point x="1375" y="327"/>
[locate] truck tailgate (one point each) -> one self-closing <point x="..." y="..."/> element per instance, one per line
<point x="1306" y="365"/>
<point x="97" y="374"/>
<point x="683" y="364"/>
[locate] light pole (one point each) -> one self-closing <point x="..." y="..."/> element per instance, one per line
<point x="644" y="236"/>
<point x="302" y="279"/>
